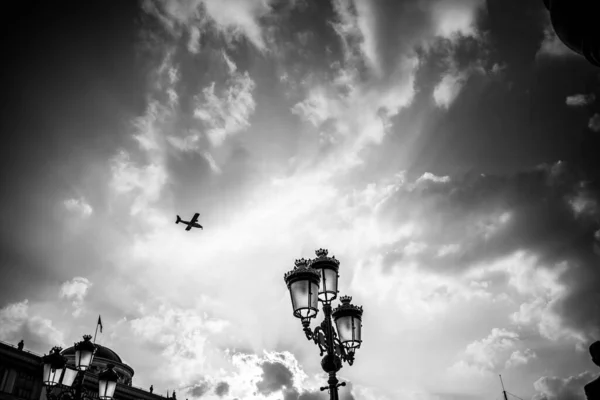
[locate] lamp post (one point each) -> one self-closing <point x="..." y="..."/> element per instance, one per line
<point x="314" y="281"/>
<point x="57" y="373"/>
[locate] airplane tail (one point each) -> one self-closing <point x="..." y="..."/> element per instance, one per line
<point x="178" y="220"/>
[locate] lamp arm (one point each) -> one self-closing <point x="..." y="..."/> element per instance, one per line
<point x="341" y="350"/>
<point x="318" y="334"/>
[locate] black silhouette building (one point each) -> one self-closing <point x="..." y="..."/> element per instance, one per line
<point x="21" y="374"/>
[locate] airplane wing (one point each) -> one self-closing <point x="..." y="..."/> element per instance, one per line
<point x="188" y="227"/>
<point x="195" y="218"/>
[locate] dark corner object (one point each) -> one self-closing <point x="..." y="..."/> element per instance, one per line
<point x="577" y="25"/>
<point x="592" y="389"/>
<point x="314" y="281"/>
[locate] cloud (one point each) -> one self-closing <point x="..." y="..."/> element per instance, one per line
<point x="552" y="46"/>
<point x="16" y="323"/>
<point x="200" y="389"/>
<point x="75" y="290"/>
<point x="496" y="221"/>
<point x="222" y="389"/>
<point x="233" y="19"/>
<point x="578" y="100"/>
<point x="448" y="89"/>
<point x="519" y="357"/>
<point x="491" y="353"/>
<point x="594" y="123"/>
<point x="456" y="18"/>
<point x="194" y="40"/>
<point x="182" y="336"/>
<point x="555" y="388"/>
<point x="276" y="376"/>
<point x="145" y="183"/>
<point x="79" y="206"/>
<point x="228" y="113"/>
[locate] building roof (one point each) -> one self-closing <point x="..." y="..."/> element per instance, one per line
<point x="101" y="352"/>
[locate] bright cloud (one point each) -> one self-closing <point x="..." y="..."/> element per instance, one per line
<point x="448" y="89"/>
<point x="226" y="113"/>
<point x="75" y="290"/>
<point x="456" y="17"/>
<point x="578" y="100"/>
<point x="79" y="206"/>
<point x="551" y="45"/>
<point x="232" y="18"/>
<point x="17" y="322"/>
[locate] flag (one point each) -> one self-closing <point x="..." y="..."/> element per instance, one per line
<point x="100" y="323"/>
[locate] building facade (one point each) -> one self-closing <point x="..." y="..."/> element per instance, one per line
<point x="21" y="375"/>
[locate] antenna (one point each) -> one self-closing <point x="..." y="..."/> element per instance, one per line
<point x="503" y="391"/>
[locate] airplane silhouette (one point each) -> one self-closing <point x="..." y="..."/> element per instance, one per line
<point x="191" y="224"/>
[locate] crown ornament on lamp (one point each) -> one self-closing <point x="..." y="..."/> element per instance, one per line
<point x="322" y="255"/>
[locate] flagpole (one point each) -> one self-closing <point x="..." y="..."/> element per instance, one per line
<point x="97" y="324"/>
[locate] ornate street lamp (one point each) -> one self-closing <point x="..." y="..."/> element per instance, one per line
<point x="84" y="353"/>
<point x="317" y="280"/>
<point x="58" y="374"/>
<point x="107" y="383"/>
<point x="54" y="366"/>
<point x="303" y="283"/>
<point x="348" y="321"/>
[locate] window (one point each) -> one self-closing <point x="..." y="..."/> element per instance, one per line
<point x="24" y="393"/>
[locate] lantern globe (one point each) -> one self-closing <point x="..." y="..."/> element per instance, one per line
<point x="107" y="383"/>
<point x="84" y="353"/>
<point x="328" y="268"/>
<point x="348" y="321"/>
<point x="54" y="365"/>
<point x="69" y="376"/>
<point x="303" y="284"/>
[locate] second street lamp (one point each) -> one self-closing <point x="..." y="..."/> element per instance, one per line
<point x="317" y="280"/>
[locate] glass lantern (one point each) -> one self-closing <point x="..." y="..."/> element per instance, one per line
<point x="84" y="353"/>
<point x="107" y="383"/>
<point x="328" y="270"/>
<point x="69" y="376"/>
<point x="348" y="321"/>
<point x="54" y="366"/>
<point x="303" y="284"/>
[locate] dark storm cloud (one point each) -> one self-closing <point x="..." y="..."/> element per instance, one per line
<point x="275" y="376"/>
<point x="200" y="389"/>
<point x="222" y="389"/>
<point x="553" y="212"/>
<point x="502" y="125"/>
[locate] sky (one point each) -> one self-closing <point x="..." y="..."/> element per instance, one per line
<point x="443" y="150"/>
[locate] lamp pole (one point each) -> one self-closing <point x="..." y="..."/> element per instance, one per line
<point x="314" y="281"/>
